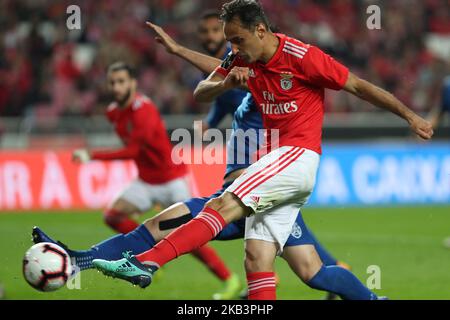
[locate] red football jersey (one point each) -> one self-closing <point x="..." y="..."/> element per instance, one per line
<point x="289" y="90"/>
<point x="144" y="135"/>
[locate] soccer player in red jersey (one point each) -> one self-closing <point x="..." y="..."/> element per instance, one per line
<point x="287" y="79"/>
<point x="139" y="125"/>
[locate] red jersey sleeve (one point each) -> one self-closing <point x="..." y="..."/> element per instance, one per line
<point x="128" y="152"/>
<point x="111" y="112"/>
<point x="322" y="70"/>
<point x="145" y="119"/>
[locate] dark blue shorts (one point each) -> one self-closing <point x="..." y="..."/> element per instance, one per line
<point x="300" y="234"/>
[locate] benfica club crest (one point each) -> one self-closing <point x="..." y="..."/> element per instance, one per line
<point x="286" y="81"/>
<point x="296" y="231"/>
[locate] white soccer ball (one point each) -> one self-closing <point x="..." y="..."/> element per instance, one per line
<point x="46" y="266"/>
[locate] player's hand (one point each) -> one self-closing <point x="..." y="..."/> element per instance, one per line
<point x="81" y="156"/>
<point x="421" y="127"/>
<point x="163" y="38"/>
<point x="237" y="77"/>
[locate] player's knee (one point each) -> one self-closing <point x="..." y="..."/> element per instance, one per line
<point x="309" y="268"/>
<point x="118" y="206"/>
<point x="228" y="206"/>
<point x="255" y="261"/>
<point x="307" y="274"/>
<point x="216" y="204"/>
<point x="219" y="205"/>
<point x="124" y="207"/>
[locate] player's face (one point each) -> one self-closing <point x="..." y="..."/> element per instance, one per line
<point x="248" y="44"/>
<point x="121" y="85"/>
<point x="210" y="32"/>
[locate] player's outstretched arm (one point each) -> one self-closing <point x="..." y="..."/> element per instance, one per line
<point x="202" y="61"/>
<point x="215" y="85"/>
<point x="84" y="156"/>
<point x="128" y="152"/>
<point x="383" y="99"/>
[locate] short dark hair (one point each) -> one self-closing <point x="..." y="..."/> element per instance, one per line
<point x="119" y="66"/>
<point x="249" y="12"/>
<point x="210" y="14"/>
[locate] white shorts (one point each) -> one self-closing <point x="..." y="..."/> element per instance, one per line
<point x="276" y="187"/>
<point x="144" y="195"/>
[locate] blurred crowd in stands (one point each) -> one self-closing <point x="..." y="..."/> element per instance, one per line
<point x="47" y="70"/>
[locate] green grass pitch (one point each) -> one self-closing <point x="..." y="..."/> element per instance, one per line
<point x="406" y="243"/>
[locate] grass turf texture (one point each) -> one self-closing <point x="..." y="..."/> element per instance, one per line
<point x="406" y="243"/>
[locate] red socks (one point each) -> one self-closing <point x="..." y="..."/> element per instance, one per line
<point x="185" y="238"/>
<point x="119" y="221"/>
<point x="209" y="256"/>
<point x="261" y="286"/>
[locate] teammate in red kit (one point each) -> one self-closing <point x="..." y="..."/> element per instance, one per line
<point x="138" y="123"/>
<point x="287" y="79"/>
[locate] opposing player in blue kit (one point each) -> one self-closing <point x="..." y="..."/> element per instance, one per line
<point x="437" y="116"/>
<point x="303" y="253"/>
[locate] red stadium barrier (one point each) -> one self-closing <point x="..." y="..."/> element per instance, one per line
<point x="36" y="180"/>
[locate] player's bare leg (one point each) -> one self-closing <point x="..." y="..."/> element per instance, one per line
<point x="229" y="207"/>
<point x="303" y="260"/>
<point x="118" y="216"/>
<point x="217" y="213"/>
<point x="306" y="264"/>
<point x="144" y="238"/>
<point x="167" y="220"/>
<point x="174" y="216"/>
<point x="259" y="259"/>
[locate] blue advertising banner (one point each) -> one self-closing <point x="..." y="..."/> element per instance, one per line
<point x="383" y="174"/>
